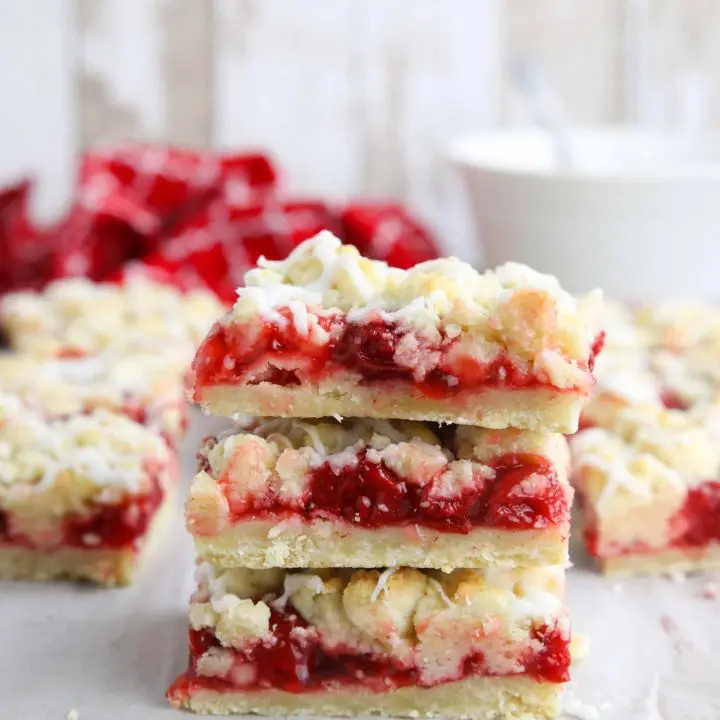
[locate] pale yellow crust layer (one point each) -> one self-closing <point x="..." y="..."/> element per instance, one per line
<point x="321" y="543"/>
<point x="488" y="698"/>
<point x="108" y="567"/>
<point x="104" y="567"/>
<point x="662" y="561"/>
<point x="538" y="409"/>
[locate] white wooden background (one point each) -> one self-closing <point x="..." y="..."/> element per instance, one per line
<point x="353" y="96"/>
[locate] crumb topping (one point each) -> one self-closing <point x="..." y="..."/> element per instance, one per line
<point x="100" y="449"/>
<point x="523" y="311"/>
<point x="84" y="316"/>
<point x="644" y="452"/>
<point x="428" y="619"/>
<point x="61" y="386"/>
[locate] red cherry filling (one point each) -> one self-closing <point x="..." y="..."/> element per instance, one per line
<point x="699" y="515"/>
<point x="297" y="662"/>
<point x="525" y="498"/>
<point x="552" y="663"/>
<point x="231" y="354"/>
<point x="120" y="525"/>
<point x="702" y="514"/>
<point x="524" y="493"/>
<point x="4" y="527"/>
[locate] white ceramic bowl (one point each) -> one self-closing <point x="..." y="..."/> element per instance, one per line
<point x="638" y="214"/>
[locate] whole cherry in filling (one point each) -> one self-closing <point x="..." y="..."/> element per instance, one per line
<point x="524" y="493"/>
<point x="234" y="354"/>
<point x="114" y="526"/>
<point x="297" y="661"/>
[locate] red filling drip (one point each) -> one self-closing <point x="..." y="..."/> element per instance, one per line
<point x="372" y="495"/>
<point x="672" y="401"/>
<point x="699" y="517"/>
<point x="116" y="526"/>
<point x="299" y="663"/>
<point x="231" y="354"/>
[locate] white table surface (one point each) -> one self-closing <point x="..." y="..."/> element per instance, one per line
<point x="110" y="654"/>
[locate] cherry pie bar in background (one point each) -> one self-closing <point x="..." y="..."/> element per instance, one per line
<point x="76" y="316"/>
<point x="145" y="385"/>
<point x="400" y="642"/>
<point x="373" y="493"/>
<point x="327" y="332"/>
<point x="191" y="219"/>
<point x="81" y="496"/>
<point x="647" y="464"/>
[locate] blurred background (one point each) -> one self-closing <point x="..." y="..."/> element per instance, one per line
<point x="352" y="97"/>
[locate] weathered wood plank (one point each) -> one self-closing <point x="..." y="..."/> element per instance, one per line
<point x="37" y="122"/>
<point x="144" y="71"/>
<point x="579" y="45"/>
<point x="359" y="98"/>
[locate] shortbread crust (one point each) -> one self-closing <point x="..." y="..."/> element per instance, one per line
<point x="321" y="544"/>
<point x="481" y="698"/>
<point x="537" y="410"/>
<point x="662" y="561"/>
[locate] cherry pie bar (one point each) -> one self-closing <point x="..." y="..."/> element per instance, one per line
<point x="146" y="386"/>
<point x="371" y="493"/>
<point x="666" y="355"/>
<point x="77" y="316"/>
<point x="79" y="496"/>
<point x="473" y="644"/>
<point x="648" y="480"/>
<point x="327" y="332"/>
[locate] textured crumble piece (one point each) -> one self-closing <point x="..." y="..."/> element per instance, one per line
<point x="146" y="386"/>
<point x="79" y="316"/>
<point x="367" y="493"/>
<point x="649" y="482"/>
<point x="78" y="495"/>
<point x="309" y="335"/>
<point x="375" y="632"/>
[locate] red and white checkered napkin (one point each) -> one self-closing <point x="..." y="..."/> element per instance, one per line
<point x="189" y="218"/>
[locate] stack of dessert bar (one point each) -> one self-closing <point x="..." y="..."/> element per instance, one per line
<point x="647" y="464"/>
<point x="387" y="532"/>
<point x="91" y="412"/>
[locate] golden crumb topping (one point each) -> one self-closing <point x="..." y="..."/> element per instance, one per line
<point x="421" y="618"/>
<point x="84" y="316"/>
<point x="101" y="449"/>
<point x="526" y="313"/>
<point x="110" y="379"/>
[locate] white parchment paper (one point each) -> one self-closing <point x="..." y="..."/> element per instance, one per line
<point x="111" y="654"/>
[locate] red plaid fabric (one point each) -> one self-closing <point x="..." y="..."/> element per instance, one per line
<point x="385" y="230"/>
<point x="188" y="218"/>
<point x="216" y="247"/>
<point x="25" y="251"/>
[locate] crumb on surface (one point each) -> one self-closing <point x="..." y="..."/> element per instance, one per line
<point x="574" y="709"/>
<point x="678" y="578"/>
<point x="72" y="715"/>
<point x="710" y="591"/>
